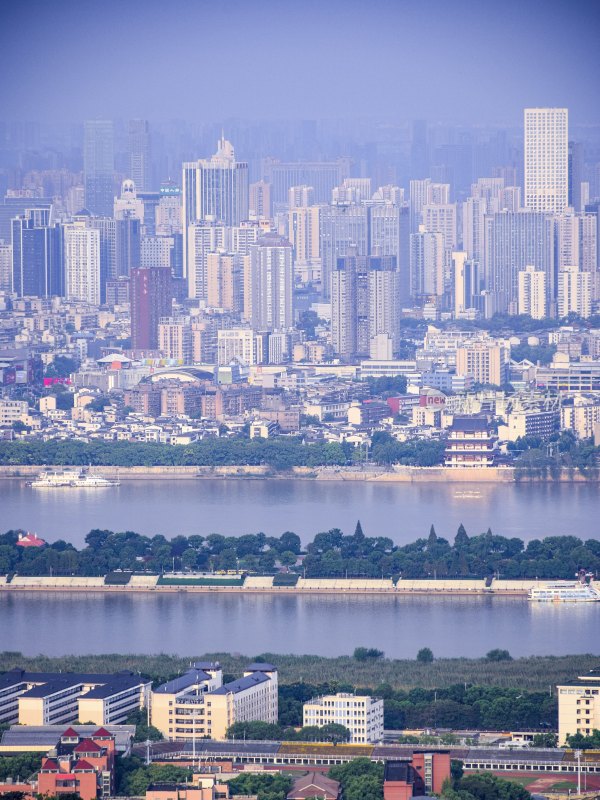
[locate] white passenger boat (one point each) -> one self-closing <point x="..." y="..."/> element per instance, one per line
<point x="71" y="479"/>
<point x="565" y="592"/>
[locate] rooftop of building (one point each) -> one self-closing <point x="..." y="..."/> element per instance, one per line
<point x="261" y="666"/>
<point x="470" y="424"/>
<point x="240" y="685"/>
<point x="314" y="785"/>
<point x="189" y="678"/>
<point x="399" y="771"/>
<point x="46" y="737"/>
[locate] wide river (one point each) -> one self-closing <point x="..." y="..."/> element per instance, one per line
<point x="191" y="624"/>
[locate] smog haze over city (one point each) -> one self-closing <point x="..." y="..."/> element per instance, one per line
<point x="463" y="61"/>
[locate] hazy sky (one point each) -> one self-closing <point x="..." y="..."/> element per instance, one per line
<point x="448" y="60"/>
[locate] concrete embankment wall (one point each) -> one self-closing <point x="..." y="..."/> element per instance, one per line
<point x="258" y="585"/>
<point x="395" y="474"/>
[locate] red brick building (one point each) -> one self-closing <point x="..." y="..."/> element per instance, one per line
<point x="82" y="766"/>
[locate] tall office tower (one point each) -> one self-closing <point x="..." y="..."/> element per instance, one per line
<point x="82" y="261"/>
<point x="12" y="207"/>
<point x="342" y="227"/>
<point x="175" y="338"/>
<point x="364" y="304"/>
<point x="167" y="213"/>
<point x="532" y="293"/>
<point x="304" y="235"/>
<point x="6" y="268"/>
<point x="214" y="189"/>
<point x="389" y="235"/>
<point x="442" y="218"/>
<point x="225" y="281"/>
<point x="260" y="200"/>
<point x="300" y="197"/>
<point x="546" y="159"/>
<point x="473" y="227"/>
<point x="139" y="154"/>
<point x="426" y="192"/>
<point x="426" y="264"/>
<point x="98" y="166"/>
<point x="514" y="241"/>
<point x="127" y="245"/>
<point x="574" y="292"/>
<point x="576" y="167"/>
<point x="268" y="284"/>
<point x="37" y="255"/>
<point x="321" y="175"/>
<point x="468" y="283"/>
<point x="151" y="299"/>
<point x="202" y="238"/>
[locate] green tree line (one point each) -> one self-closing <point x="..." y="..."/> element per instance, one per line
<point x="330" y="554"/>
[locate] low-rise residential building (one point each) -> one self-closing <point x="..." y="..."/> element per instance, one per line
<point x="361" y="714"/>
<point x="80" y="766"/>
<point x="579" y="706"/>
<point x="581" y="414"/>
<point x="199" y="704"/>
<point x="40" y="698"/>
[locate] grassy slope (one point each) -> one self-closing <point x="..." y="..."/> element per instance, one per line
<point x="535" y="673"/>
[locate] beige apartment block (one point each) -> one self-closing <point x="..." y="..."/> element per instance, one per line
<point x="198" y="704"/>
<point x="579" y="706"/>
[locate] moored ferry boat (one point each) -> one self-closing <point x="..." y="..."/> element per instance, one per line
<point x="565" y="592"/>
<point x="71" y="479"/>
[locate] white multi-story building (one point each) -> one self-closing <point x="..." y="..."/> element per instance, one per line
<point x="175" y="338"/>
<point x="547" y="159"/>
<point x="6" y="279"/>
<point x="574" y="292"/>
<point x="362" y="715"/>
<point x="581" y="414"/>
<point x="579" y="706"/>
<point x="155" y="251"/>
<point x="532" y="292"/>
<point x="13" y="411"/>
<point x="82" y="262"/>
<point x="237" y="345"/>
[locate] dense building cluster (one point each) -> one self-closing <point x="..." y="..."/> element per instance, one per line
<point x="268" y="296"/>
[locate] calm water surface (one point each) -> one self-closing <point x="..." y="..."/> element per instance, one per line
<point x="62" y="623"/>
<point x="187" y="624"/>
<point x="232" y="507"/>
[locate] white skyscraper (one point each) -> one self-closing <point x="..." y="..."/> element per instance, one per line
<point x="546" y="159"/>
<point x="574" y="292"/>
<point x="82" y="262"/>
<point x="532" y="292"/>
<point x="268" y="284"/>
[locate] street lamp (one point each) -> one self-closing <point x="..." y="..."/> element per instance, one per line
<point x="578" y="757"/>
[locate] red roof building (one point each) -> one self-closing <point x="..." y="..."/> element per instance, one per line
<point x="30" y="540"/>
<point x="81" y="766"/>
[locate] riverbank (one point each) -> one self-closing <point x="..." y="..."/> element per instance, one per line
<point x="393" y="474"/>
<point x="256" y="585"/>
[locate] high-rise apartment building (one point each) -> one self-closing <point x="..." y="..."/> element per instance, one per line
<point x="268" y="284"/>
<point x="225" y="281"/>
<point x="260" y="200"/>
<point x="532" y="293"/>
<point x="343" y="227"/>
<point x="514" y="241"/>
<point x="82" y="261"/>
<point x="139" y="154"/>
<point x="546" y="159"/>
<point x="6" y="268"/>
<point x="175" y="338"/>
<point x="364" y="304"/>
<point x="485" y="363"/>
<point x="427" y="263"/>
<point x="574" y="292"/>
<point x="468" y="283"/>
<point x="389" y="235"/>
<point x="98" y="166"/>
<point x="151" y="300"/>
